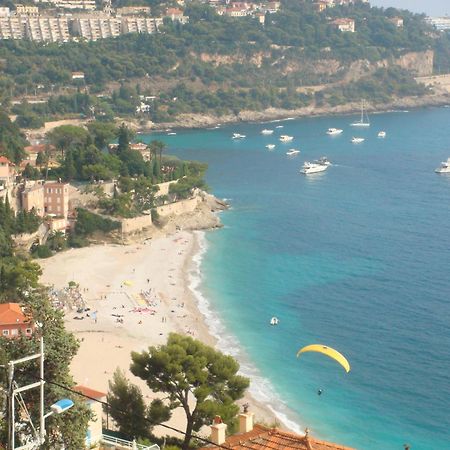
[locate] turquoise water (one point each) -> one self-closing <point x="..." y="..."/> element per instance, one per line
<point x="357" y="257"/>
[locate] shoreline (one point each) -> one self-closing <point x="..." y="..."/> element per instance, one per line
<point x="204" y="121"/>
<point x="111" y="278"/>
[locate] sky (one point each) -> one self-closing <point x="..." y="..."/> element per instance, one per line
<point x="430" y="7"/>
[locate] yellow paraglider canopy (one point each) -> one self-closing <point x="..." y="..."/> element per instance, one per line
<point x="331" y="352"/>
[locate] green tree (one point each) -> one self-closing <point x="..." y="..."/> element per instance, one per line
<point x="185" y="368"/>
<point x="157" y="148"/>
<point x="128" y="409"/>
<point x="102" y="132"/>
<point x="66" y="136"/>
<point x="124" y="136"/>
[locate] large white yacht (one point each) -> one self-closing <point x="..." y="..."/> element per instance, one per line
<point x="444" y="167"/>
<point x="364" y="120"/>
<point x="334" y="131"/>
<point x="267" y="132"/>
<point x="309" y="167"/>
<point x="286" y="138"/>
<point x="357" y="140"/>
<point x="292" y="152"/>
<point x="238" y="136"/>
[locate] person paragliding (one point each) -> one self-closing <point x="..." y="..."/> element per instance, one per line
<point x="328" y="351"/>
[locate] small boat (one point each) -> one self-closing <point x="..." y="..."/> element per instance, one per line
<point x="286" y="138"/>
<point x="444" y="167"/>
<point x="334" y="131"/>
<point x="292" y="152"/>
<point x="382" y="134"/>
<point x="323" y="160"/>
<point x="279" y="126"/>
<point x="364" y="120"/>
<point x="238" y="136"/>
<point x="270" y="146"/>
<point x="172" y="133"/>
<point x="274" y="321"/>
<point x="313" y="167"/>
<point x="357" y="140"/>
<point x="266" y="132"/>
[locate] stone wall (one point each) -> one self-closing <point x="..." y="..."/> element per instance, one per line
<point x="136" y="224"/>
<point x="178" y="208"/>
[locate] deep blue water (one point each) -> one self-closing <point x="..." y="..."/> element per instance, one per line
<point x="357" y="258"/>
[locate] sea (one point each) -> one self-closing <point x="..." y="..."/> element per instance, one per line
<point x="356" y="258"/>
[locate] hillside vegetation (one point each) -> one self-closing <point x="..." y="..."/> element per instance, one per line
<point x="217" y="64"/>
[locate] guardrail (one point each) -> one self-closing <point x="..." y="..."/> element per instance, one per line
<point x="107" y="439"/>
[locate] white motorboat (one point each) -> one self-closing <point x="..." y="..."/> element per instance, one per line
<point x="309" y="168"/>
<point x="270" y="146"/>
<point x="286" y="138"/>
<point x="357" y="140"/>
<point x="323" y="160"/>
<point x="334" y="131"/>
<point x="364" y="120"/>
<point x="292" y="152"/>
<point x="279" y="126"/>
<point x="171" y="133"/>
<point x="238" y="136"/>
<point x="444" y="167"/>
<point x="382" y="134"/>
<point x="266" y="132"/>
<point x="274" y="321"/>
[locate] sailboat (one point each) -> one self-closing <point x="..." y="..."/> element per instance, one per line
<point x="364" y="121"/>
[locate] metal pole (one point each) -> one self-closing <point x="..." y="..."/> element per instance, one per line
<point x="42" y="421"/>
<point x="10" y="406"/>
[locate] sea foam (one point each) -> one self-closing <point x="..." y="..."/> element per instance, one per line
<point x="261" y="388"/>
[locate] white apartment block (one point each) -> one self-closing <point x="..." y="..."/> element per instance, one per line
<point x="11" y="28"/>
<point x="96" y="28"/>
<point x="441" y="23"/>
<point x="4" y="11"/>
<point x="138" y="25"/>
<point x="51" y="29"/>
<point x="88" y="5"/>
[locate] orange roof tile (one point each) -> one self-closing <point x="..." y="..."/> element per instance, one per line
<point x="11" y="313"/>
<point x="89" y="392"/>
<point x="262" y="438"/>
<point x="4" y="159"/>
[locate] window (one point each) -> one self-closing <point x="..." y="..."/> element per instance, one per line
<point x="5" y="332"/>
<point x="14" y="332"/>
<point x="28" y="331"/>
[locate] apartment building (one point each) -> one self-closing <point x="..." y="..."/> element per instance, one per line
<point x="11" y="28"/>
<point x="56" y="199"/>
<point x="4" y="11"/>
<point x="33" y="198"/>
<point x="87" y="5"/>
<point x="95" y="28"/>
<point x="44" y="28"/>
<point x="27" y="10"/>
<point x="135" y="24"/>
<point x="133" y="10"/>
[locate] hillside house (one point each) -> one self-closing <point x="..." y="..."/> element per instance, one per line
<point x="397" y="21"/>
<point x="6" y="171"/>
<point x="13" y="321"/>
<point x="344" y="24"/>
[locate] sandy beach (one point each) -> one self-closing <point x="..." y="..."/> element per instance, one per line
<point x="136" y="295"/>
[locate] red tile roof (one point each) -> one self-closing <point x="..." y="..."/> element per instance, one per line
<point x="4" y="159"/>
<point x="89" y="392"/>
<point x="262" y="438"/>
<point x="11" y="313"/>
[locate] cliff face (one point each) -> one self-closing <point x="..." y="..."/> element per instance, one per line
<point x="418" y="63"/>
